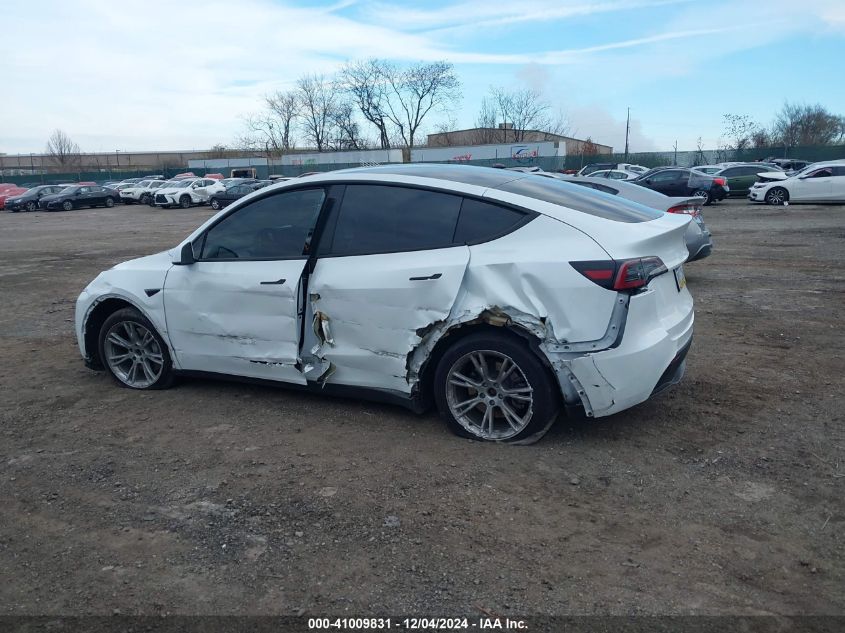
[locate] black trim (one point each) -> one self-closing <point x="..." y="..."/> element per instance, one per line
<point x="151" y="292"/>
<point x="342" y="391"/>
<point x="674" y="372"/>
<point x="278" y="282"/>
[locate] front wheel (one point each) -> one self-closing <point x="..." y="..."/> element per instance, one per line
<point x="145" y="198"/>
<point x="67" y="205"/>
<point x="31" y="206"/>
<point x="109" y="202"/>
<point x="777" y="195"/>
<point x="494" y="388"/>
<point x="133" y="352"/>
<point x="215" y="204"/>
<point x="185" y="202"/>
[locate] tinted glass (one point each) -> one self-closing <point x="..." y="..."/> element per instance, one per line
<point x="731" y="171"/>
<point x="838" y="171"/>
<point x="666" y="176"/>
<point x="481" y="221"/>
<point x="275" y="227"/>
<point x="382" y="219"/>
<point x="591" y="202"/>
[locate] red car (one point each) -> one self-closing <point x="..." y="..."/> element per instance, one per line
<point x="10" y="193"/>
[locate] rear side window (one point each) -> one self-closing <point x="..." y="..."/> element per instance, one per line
<point x="383" y="219"/>
<point x="481" y="221"/>
<point x="838" y="171"/>
<point x="580" y="199"/>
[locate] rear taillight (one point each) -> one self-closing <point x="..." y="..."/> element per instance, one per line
<point x="719" y="181"/>
<point x="625" y="274"/>
<point x="689" y="209"/>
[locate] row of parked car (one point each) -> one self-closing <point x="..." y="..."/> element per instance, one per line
<point x="778" y="181"/>
<point x="184" y="190"/>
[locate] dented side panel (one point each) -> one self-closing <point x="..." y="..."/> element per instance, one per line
<point x="374" y="306"/>
<point x="236" y="317"/>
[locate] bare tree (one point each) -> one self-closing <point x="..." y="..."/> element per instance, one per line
<point x="364" y="81"/>
<point x="523" y="109"/>
<point x="347" y="131"/>
<point x="486" y="122"/>
<point x="286" y="107"/>
<point x="798" y="124"/>
<point x="415" y="91"/>
<point x="217" y="151"/>
<point x="318" y="97"/>
<point x="62" y="150"/>
<point x="739" y="129"/>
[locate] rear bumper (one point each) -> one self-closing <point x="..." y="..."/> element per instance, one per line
<point x="649" y="358"/>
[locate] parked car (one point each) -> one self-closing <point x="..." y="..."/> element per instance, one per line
<point x="141" y="192"/>
<point x="28" y="199"/>
<point x="10" y="193"/>
<point x="790" y="164"/>
<point x="220" y="186"/>
<point x="819" y="182"/>
<point x="628" y="167"/>
<point x="499" y="296"/>
<point x="78" y="196"/>
<point x="697" y="237"/>
<point x="228" y="196"/>
<point x="680" y="181"/>
<point x="613" y="174"/>
<point x="184" y="193"/>
<point x="709" y="169"/>
<point x="741" y="177"/>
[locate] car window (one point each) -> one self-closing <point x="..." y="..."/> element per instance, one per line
<point x="274" y="227"/>
<point x="615" y="175"/>
<point x="731" y="171"/>
<point x="481" y="221"/>
<point x="820" y="173"/>
<point x="838" y="171"/>
<point x="665" y="176"/>
<point x="384" y="219"/>
<point x="84" y="190"/>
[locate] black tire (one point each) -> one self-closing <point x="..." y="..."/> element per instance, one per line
<point x="185" y="202"/>
<point x="777" y="196"/>
<point x="67" y="205"/>
<point x="215" y="204"/>
<point x="145" y="198"/>
<point x="109" y="202"/>
<point x="132" y="315"/>
<point x="708" y="197"/>
<point x="31" y="206"/>
<point x="544" y="390"/>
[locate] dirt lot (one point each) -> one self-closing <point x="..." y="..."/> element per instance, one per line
<point x="723" y="496"/>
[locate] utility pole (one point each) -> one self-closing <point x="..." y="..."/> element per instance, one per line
<point x="627" y="133"/>
<point x="675" y="161"/>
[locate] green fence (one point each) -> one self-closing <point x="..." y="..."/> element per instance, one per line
<point x="647" y="159"/>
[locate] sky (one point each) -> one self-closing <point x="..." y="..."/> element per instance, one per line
<point x="162" y="75"/>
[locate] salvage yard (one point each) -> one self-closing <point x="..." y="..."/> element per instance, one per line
<point x="722" y="496"/>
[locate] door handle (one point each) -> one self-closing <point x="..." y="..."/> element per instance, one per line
<point x="278" y="282"/>
<point x="434" y="276"/>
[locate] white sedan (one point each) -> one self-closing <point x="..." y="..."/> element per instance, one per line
<point x="501" y="297"/>
<point x="819" y="182"/>
<point x="614" y="174"/>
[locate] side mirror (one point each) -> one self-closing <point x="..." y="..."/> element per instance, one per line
<point x="186" y="255"/>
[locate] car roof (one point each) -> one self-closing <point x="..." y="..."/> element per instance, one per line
<point x="464" y="174"/>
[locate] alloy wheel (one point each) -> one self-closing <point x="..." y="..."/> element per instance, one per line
<point x="133" y="354"/>
<point x="489" y="395"/>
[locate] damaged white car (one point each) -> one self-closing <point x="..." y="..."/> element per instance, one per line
<point x="500" y="296"/>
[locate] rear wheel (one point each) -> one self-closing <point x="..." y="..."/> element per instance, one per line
<point x="133" y="352"/>
<point x="494" y="388"/>
<point x="777" y="195"/>
<point x="109" y="202"/>
<point x="215" y="204"/>
<point x="704" y="193"/>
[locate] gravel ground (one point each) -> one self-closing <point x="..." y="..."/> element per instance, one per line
<point x="723" y="496"/>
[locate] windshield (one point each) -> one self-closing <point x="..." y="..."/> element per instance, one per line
<point x="143" y="183"/>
